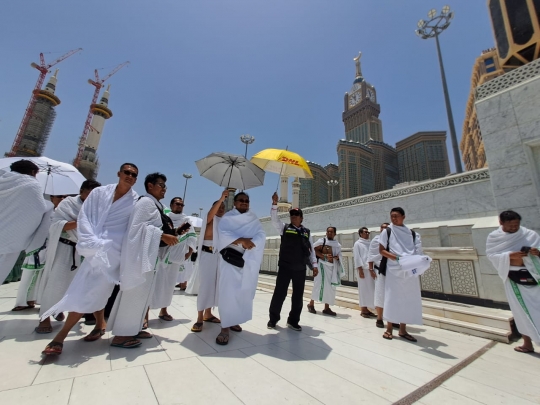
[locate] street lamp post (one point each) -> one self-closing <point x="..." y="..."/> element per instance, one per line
<point x="248" y="140"/>
<point x="332" y="184"/>
<point x="187" y="176"/>
<point x="200" y="212"/>
<point x="432" y="28"/>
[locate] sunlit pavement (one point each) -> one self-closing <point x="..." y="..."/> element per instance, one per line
<point x="342" y="360"/>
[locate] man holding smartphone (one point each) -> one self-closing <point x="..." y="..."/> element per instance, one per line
<point x="513" y="251"/>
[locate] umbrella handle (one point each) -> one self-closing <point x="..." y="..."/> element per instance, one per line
<point x="281" y="171"/>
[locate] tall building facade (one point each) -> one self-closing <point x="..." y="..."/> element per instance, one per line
<point x="355" y="169"/>
<point x="385" y="165"/>
<point x="361" y="111"/>
<point x="89" y="164"/>
<point x="316" y="191"/>
<point x="486" y="67"/>
<point x="516" y="26"/>
<point x="423" y="156"/>
<point x="41" y="121"/>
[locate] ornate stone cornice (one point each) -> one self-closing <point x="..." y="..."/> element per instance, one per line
<point x="448" y="181"/>
<point x="510" y="79"/>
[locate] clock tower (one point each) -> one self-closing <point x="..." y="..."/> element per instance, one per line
<point x="361" y="114"/>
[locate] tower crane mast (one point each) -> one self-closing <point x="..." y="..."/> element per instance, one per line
<point x="43" y="70"/>
<point x="98" y="84"/>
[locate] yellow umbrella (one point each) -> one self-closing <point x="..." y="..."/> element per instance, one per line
<point x="284" y="162"/>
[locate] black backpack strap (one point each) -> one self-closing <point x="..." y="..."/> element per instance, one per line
<point x="413" y="236"/>
<point x="388" y="232"/>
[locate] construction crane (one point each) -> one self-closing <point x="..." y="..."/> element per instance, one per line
<point x="98" y="84"/>
<point x="43" y="70"/>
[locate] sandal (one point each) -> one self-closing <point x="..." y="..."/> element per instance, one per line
<point x="408" y="337"/>
<point x="212" y="319"/>
<point x="379" y="323"/>
<point x="145" y="325"/>
<point x="329" y="312"/>
<point x="311" y="309"/>
<point x="128" y="344"/>
<point x="143" y="335"/>
<point x="236" y="328"/>
<point x="365" y="315"/>
<point x="523" y="349"/>
<point x="222" y="339"/>
<point x="167" y="317"/>
<point x="43" y="329"/>
<point x="60" y="317"/>
<point x="387" y="335"/>
<point x="94" y="335"/>
<point x="53" y="348"/>
<point x="22" y="308"/>
<point x="197" y="327"/>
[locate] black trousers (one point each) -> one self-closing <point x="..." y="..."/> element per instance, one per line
<point x="284" y="277"/>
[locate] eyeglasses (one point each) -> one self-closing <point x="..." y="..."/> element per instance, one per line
<point x="368" y="232"/>
<point x="242" y="200"/>
<point x="130" y="173"/>
<point x="180" y="204"/>
<point x="295" y="214"/>
<point x="162" y="185"/>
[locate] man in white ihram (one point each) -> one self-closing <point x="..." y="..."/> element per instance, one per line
<point x="374" y="261"/>
<point x="403" y="299"/>
<point x="24" y="216"/>
<point x="240" y="231"/>
<point x="101" y="226"/>
<point x="143" y="256"/>
<point x="62" y="260"/>
<point x="514" y="252"/>
<point x="366" y="275"/>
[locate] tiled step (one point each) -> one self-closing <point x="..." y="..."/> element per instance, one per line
<point x="484" y="322"/>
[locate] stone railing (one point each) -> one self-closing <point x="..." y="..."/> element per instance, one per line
<point x="425" y="186"/>
<point x="508" y="80"/>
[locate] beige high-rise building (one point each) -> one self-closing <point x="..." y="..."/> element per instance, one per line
<point x="385" y="165"/>
<point x="315" y="191"/>
<point x="516" y="26"/>
<point x="423" y="156"/>
<point x="355" y="169"/>
<point x="486" y="67"/>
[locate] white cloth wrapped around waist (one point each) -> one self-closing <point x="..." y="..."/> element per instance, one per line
<point x="412" y="266"/>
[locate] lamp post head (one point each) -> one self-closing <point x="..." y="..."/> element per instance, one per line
<point x="187" y="175"/>
<point x="247" y="139"/>
<point x="436" y="23"/>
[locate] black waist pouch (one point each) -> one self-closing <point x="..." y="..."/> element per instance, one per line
<point x="522" y="276"/>
<point x="233" y="256"/>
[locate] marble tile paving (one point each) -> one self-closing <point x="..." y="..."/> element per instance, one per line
<point x="341" y="360"/>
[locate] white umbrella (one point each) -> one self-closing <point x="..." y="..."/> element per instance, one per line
<point x="229" y="170"/>
<point x="55" y="178"/>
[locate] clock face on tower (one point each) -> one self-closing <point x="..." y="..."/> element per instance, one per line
<point x="370" y="94"/>
<point x="354" y="99"/>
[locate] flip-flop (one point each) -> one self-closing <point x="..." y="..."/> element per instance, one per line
<point x="94" y="335"/>
<point x="387" y="335"/>
<point x="408" y="337"/>
<point x="522" y="349"/>
<point x="53" y="348"/>
<point x="212" y="319"/>
<point x="167" y="317"/>
<point x="22" y="308"/>
<point x="125" y="345"/>
<point x="42" y="330"/>
<point x="224" y="339"/>
<point x="236" y="328"/>
<point x="143" y="335"/>
<point x="197" y="327"/>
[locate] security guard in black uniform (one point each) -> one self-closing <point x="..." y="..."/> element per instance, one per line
<point x="296" y="251"/>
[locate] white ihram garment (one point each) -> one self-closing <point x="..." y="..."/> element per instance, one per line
<point x="24" y="218"/>
<point x="329" y="276"/>
<point x="237" y="286"/>
<point x="181" y="270"/>
<point x="101" y="226"/>
<point x="32" y="270"/>
<point x="403" y="299"/>
<point x="524" y="300"/>
<point x="167" y="270"/>
<point x="366" y="285"/>
<point x="375" y="257"/>
<point x="57" y="274"/>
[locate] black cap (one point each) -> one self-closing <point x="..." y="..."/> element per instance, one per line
<point x="296" y="210"/>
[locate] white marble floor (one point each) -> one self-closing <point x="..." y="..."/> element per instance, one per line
<point x="341" y="360"/>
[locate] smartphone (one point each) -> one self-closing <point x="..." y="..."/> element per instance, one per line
<point x="184" y="227"/>
<point x="526" y="249"/>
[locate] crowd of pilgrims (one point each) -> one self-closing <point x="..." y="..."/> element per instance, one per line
<point x="110" y="255"/>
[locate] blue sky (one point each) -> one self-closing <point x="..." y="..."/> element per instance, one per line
<point x="204" y="72"/>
